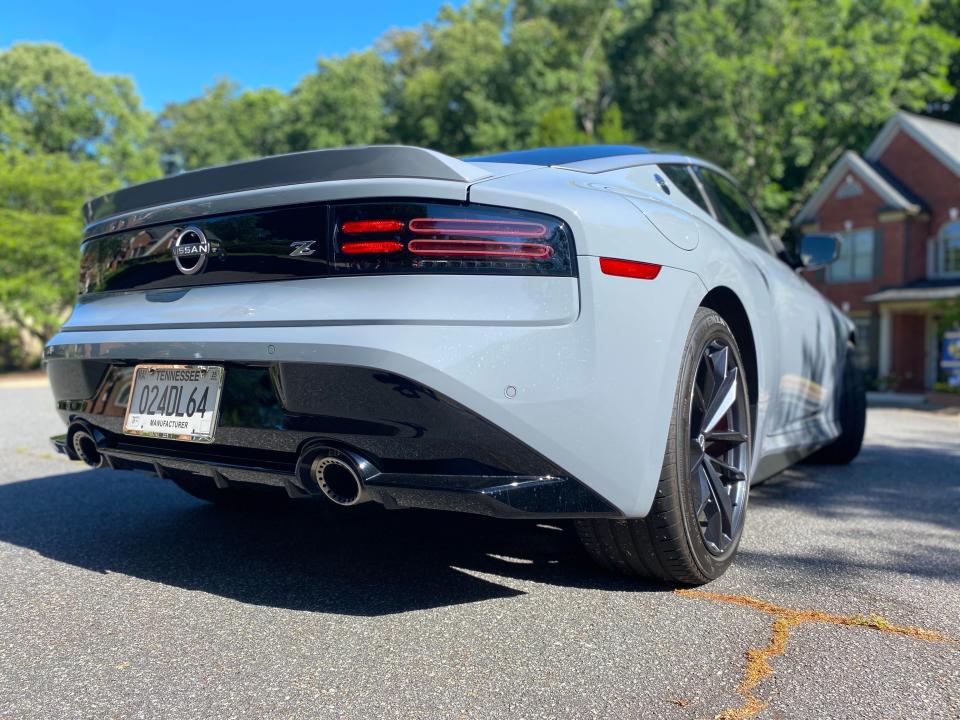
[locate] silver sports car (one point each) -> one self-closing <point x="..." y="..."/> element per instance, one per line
<point x="607" y="335"/>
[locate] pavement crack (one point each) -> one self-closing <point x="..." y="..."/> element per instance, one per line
<point x="758" y="659"/>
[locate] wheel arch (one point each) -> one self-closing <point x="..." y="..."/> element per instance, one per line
<point x="725" y="303"/>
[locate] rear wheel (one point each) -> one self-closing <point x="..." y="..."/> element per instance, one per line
<point x="693" y="529"/>
<point x="851" y="416"/>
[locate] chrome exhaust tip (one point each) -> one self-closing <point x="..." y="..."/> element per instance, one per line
<point x="85" y="447"/>
<point x="338" y="480"/>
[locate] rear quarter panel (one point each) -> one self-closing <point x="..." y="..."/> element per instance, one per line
<point x="613" y="214"/>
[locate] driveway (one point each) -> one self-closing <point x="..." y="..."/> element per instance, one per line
<point x="122" y="597"/>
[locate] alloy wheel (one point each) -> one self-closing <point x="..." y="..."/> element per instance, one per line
<point x="719" y="445"/>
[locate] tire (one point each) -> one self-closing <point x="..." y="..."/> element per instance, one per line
<point x="851" y="416"/>
<point x="239" y="497"/>
<point x="676" y="542"/>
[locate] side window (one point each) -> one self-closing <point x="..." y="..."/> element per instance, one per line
<point x="680" y="176"/>
<point x="856" y="260"/>
<point x="949" y="248"/>
<point x="733" y="209"/>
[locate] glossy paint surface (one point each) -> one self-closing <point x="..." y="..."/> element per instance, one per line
<point x="308" y="241"/>
<point x="582" y="370"/>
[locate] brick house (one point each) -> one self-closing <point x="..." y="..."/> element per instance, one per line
<point x="897" y="208"/>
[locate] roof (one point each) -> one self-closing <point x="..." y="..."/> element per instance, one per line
<point x="927" y="289"/>
<point x="939" y="137"/>
<point x="595" y="159"/>
<point x="562" y="155"/>
<point x="851" y="162"/>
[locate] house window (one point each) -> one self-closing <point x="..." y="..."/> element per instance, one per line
<point x="950" y="248"/>
<point x="856" y="260"/>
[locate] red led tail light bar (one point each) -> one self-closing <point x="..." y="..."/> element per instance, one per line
<point x="462" y="226"/>
<point x="481" y="249"/>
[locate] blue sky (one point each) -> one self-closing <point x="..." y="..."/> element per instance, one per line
<point x="173" y="49"/>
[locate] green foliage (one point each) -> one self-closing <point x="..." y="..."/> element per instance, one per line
<point x="51" y="102"/>
<point x="774" y="90"/>
<point x="38" y="258"/>
<point x="66" y="134"/>
<point x="611" y="130"/>
<point x="341" y="104"/>
<point x="946" y="14"/>
<point x="949" y="314"/>
<point x="557" y="127"/>
<point x="451" y="81"/>
<point x="223" y="125"/>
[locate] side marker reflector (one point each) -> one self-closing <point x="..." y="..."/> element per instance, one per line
<point x="629" y="268"/>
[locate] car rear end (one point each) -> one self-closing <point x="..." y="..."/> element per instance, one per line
<point x="310" y="320"/>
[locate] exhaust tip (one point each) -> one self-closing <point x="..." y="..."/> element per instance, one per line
<point x="338" y="480"/>
<point x="85" y="448"/>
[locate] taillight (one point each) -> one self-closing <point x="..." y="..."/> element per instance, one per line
<point x="480" y="248"/>
<point x="370" y="247"/>
<point x="410" y="237"/>
<point x="362" y="227"/>
<point x="500" y="228"/>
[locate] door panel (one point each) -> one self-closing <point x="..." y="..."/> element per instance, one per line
<point x="807" y="348"/>
<point x="806" y="337"/>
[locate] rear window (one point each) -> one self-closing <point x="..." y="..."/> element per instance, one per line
<point x="681" y="177"/>
<point x="733" y="209"/>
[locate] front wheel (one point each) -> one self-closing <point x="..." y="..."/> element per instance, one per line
<point x="851" y="417"/>
<point x="693" y="529"/>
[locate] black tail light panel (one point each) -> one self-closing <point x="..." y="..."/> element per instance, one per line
<point x="323" y="239"/>
<point x="408" y="237"/>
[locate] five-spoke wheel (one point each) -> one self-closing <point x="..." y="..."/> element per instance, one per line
<point x="718" y="439"/>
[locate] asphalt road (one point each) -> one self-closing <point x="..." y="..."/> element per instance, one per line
<point x="121" y="597"/>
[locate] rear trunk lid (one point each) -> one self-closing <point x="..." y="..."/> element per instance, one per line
<point x="266" y="219"/>
<point x="206" y="248"/>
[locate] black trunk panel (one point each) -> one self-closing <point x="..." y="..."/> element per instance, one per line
<point x="247" y="246"/>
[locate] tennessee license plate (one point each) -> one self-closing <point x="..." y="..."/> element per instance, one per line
<point x="176" y="402"/>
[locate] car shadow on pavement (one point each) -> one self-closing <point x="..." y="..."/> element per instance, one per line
<point x="901" y="504"/>
<point x="302" y="556"/>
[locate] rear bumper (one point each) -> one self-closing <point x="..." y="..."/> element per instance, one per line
<point x="579" y="389"/>
<point x="512" y="497"/>
<point x="423" y="449"/>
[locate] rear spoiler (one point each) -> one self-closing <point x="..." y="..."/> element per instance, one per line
<point x="353" y="163"/>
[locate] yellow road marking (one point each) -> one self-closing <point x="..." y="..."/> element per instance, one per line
<point x="758" y="659"/>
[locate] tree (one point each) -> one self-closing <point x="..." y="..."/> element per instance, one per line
<point x="223" y="125"/>
<point x="449" y="79"/>
<point x="775" y="90"/>
<point x="946" y="14"/>
<point x="51" y="102"/>
<point x="342" y="103"/>
<point x="66" y="134"/>
<point x="585" y="35"/>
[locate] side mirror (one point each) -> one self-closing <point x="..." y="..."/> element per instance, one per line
<point x="817" y="251"/>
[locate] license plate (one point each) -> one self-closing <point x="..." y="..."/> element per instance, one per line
<point x="176" y="402"/>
